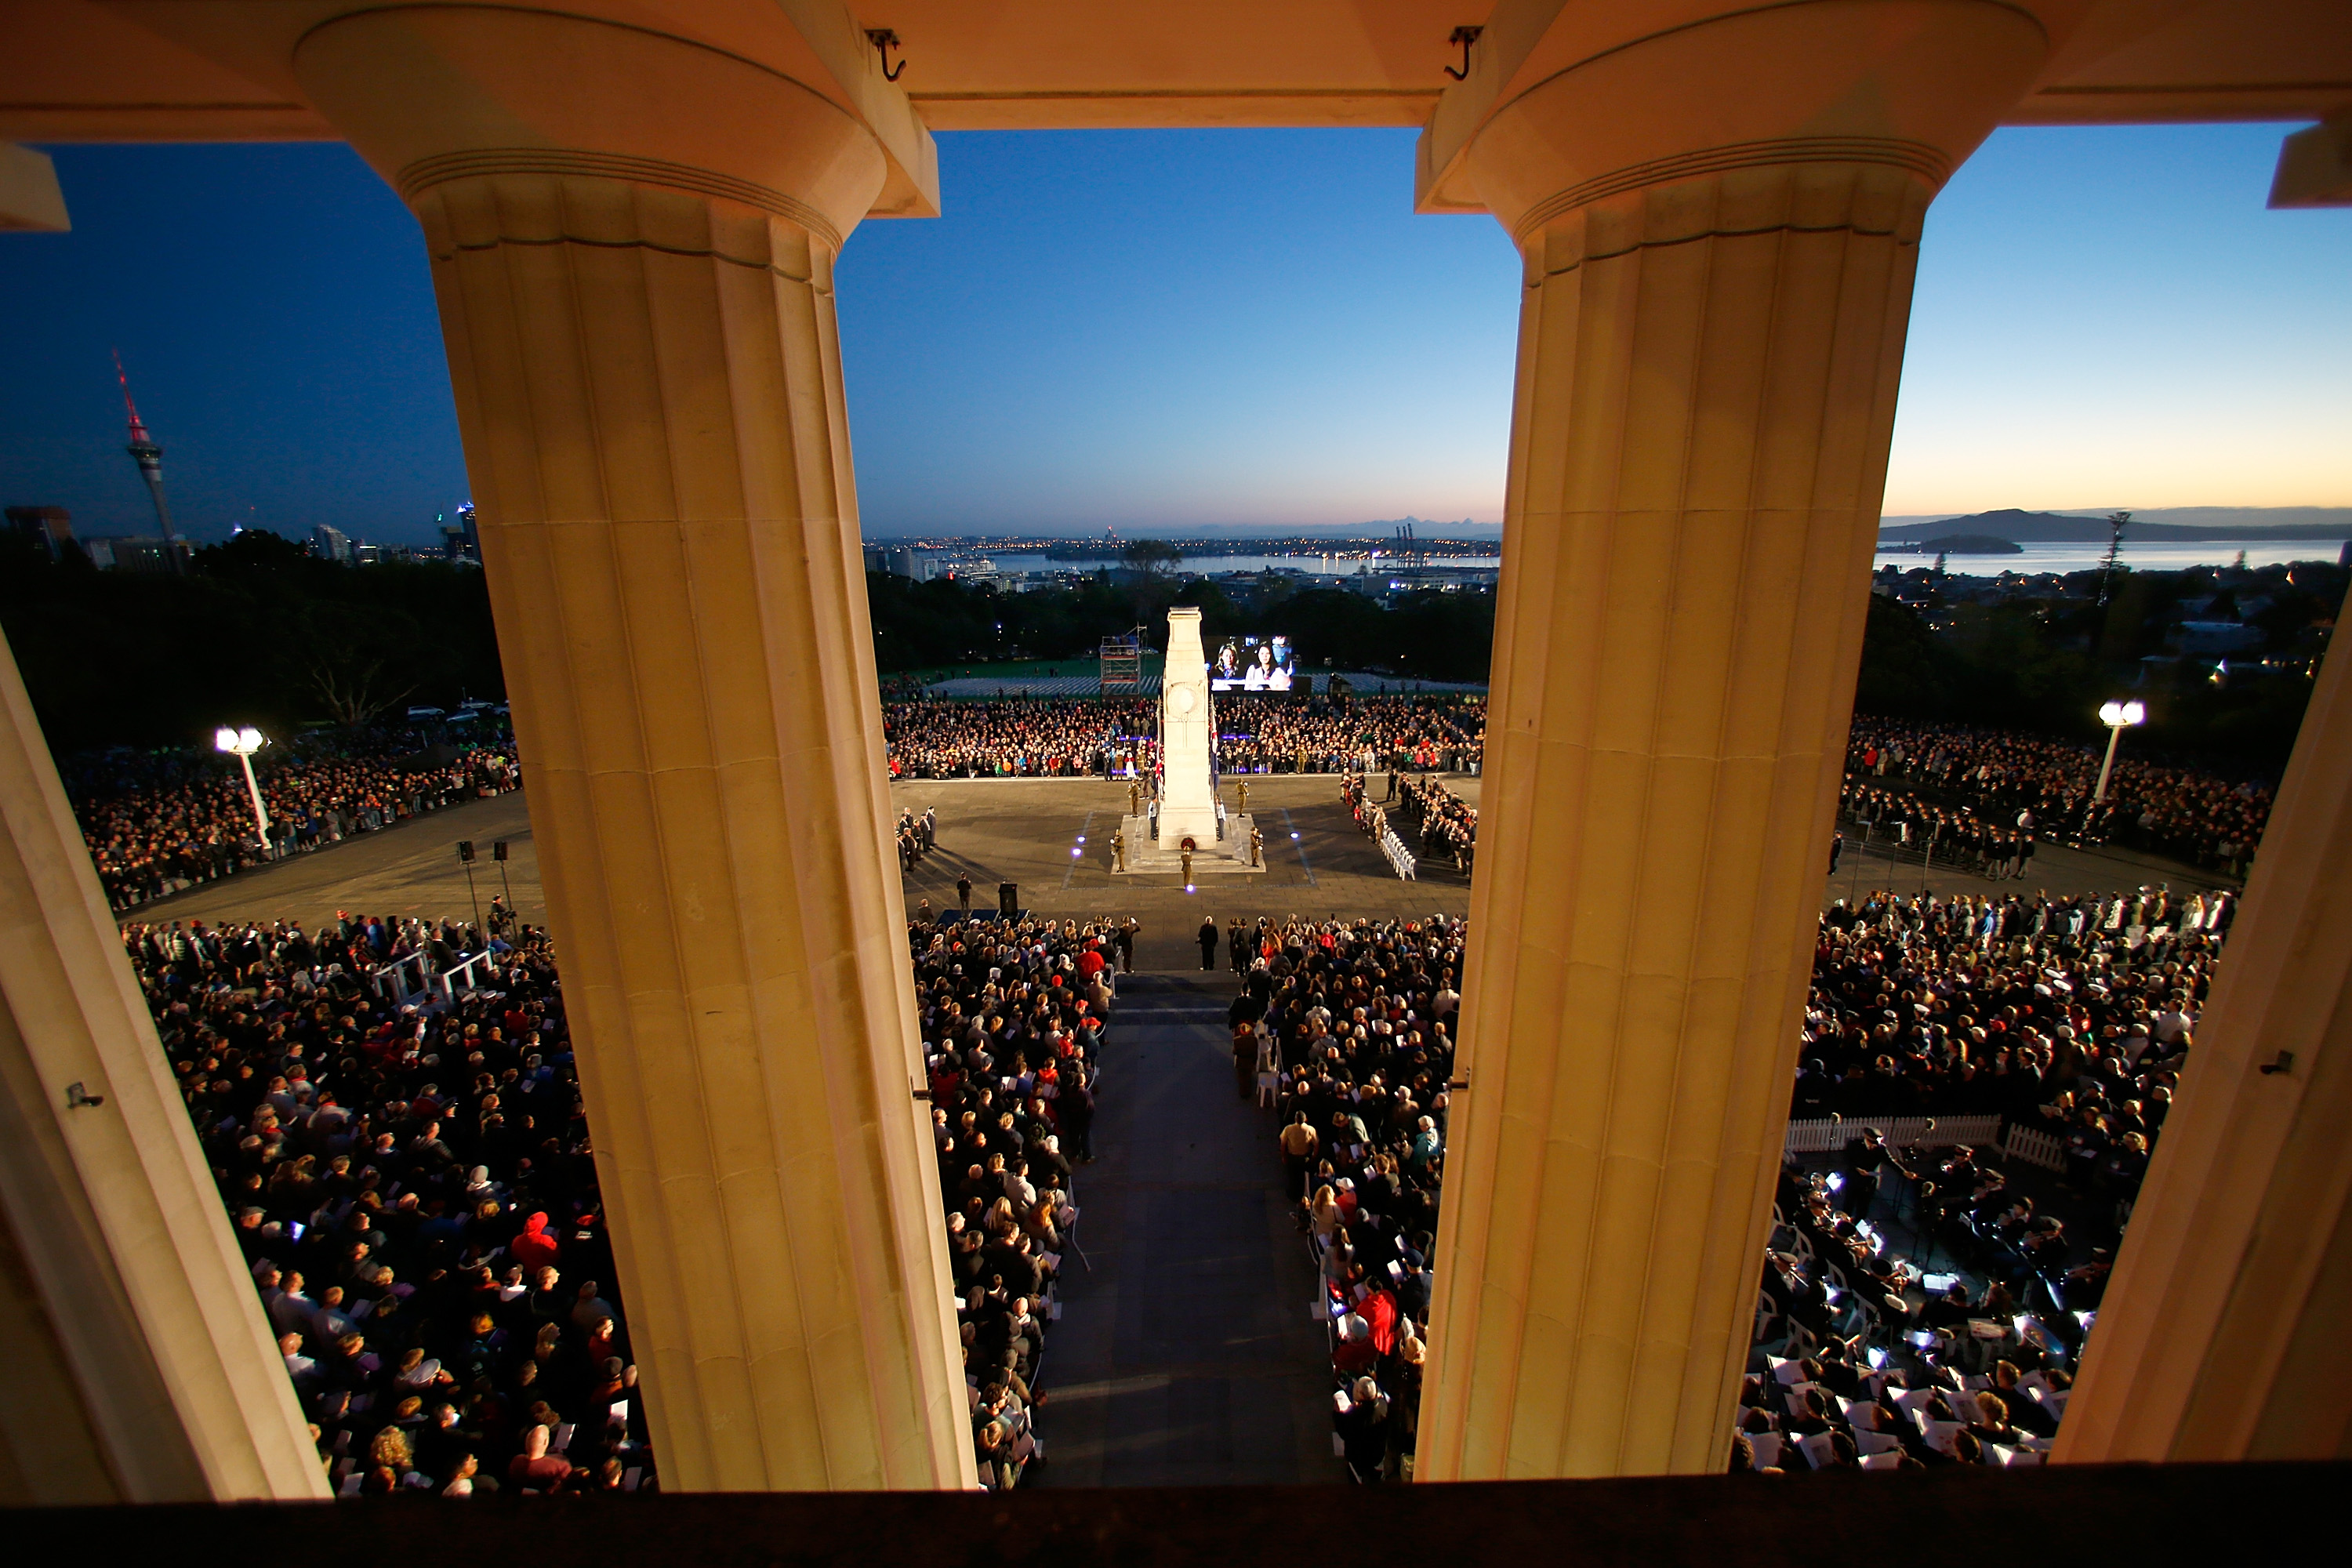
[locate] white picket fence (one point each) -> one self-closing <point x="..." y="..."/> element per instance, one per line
<point x="2036" y="1149"/>
<point x="1902" y="1132"/>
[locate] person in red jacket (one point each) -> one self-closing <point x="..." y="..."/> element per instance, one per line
<point x="534" y="1248"/>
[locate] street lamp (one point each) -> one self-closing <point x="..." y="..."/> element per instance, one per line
<point x="242" y="745"/>
<point x="2117" y="717"/>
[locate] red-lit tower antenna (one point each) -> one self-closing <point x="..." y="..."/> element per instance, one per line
<point x="150" y="458"/>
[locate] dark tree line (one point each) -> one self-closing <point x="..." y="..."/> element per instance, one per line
<point x="256" y="632"/>
<point x="944" y="624"/>
<point x="2045" y="664"/>
<point x="259" y="632"/>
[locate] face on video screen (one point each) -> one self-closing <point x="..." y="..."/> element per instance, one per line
<point x="1252" y="664"/>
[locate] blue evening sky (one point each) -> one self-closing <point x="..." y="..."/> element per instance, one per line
<point x="1184" y="330"/>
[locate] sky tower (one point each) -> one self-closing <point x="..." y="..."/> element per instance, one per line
<point x="150" y="458"/>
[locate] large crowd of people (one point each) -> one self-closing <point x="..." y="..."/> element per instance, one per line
<point x="1323" y="735"/>
<point x="406" y="1166"/>
<point x="1919" y="1305"/>
<point x="159" y="822"/>
<point x="1926" y="1303"/>
<point x="1021" y="738"/>
<point x="1118" y="736"/>
<point x="1345" y="1030"/>
<point x="410" y="1183"/>
<point x="2040" y="785"/>
<point x="1981" y="796"/>
<point x="1013" y="1015"/>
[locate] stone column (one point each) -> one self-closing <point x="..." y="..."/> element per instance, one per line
<point x="1719" y="226"/>
<point x="2221" y="1333"/>
<point x="1188" y="808"/>
<point x="140" y="1366"/>
<point x="631" y="240"/>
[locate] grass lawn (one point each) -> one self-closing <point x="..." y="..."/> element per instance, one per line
<point x="1007" y="670"/>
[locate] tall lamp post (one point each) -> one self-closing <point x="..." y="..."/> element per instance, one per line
<point x="2117" y="717"/>
<point x="242" y="745"/>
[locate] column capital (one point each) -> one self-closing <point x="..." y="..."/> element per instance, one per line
<point x="1567" y="105"/>
<point x="435" y="93"/>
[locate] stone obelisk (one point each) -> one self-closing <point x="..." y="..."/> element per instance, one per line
<point x="1188" y="796"/>
<point x="1188" y="804"/>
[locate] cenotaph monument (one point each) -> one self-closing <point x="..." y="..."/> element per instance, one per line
<point x="1189" y="823"/>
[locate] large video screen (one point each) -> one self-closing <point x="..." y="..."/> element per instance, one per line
<point x="1252" y="664"/>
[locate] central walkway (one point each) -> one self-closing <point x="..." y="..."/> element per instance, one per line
<point x="1185" y="1356"/>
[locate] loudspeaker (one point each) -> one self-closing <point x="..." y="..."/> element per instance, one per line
<point x="1008" y="898"/>
<point x="497" y="849"/>
<point x="466" y="850"/>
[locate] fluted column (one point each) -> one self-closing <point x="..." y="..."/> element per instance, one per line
<point x="1719" y="226"/>
<point x="2221" y="1331"/>
<point x="140" y="1366"/>
<point x="632" y="241"/>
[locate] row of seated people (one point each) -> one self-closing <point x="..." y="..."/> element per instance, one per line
<point x="151" y="828"/>
<point x="2077" y="1031"/>
<point x="1013" y="1015"/>
<point x="415" y="1193"/>
<point x="1343" y="1031"/>
<point x="1883" y="1365"/>
<point x="2036" y="781"/>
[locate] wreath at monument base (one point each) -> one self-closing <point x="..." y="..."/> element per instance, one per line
<point x="1188" y="844"/>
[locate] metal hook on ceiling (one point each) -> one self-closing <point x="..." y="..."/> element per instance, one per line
<point x="1465" y="36"/>
<point x="884" y="41"/>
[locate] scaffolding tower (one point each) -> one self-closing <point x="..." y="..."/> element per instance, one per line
<point x="1122" y="662"/>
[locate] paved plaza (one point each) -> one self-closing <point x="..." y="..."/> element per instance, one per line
<point x="1024" y="831"/>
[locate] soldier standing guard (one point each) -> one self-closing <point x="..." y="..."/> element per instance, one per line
<point x="1243" y="788"/>
<point x="1135" y="800"/>
<point x="1187" y="855"/>
<point x="1257" y="846"/>
<point x="1117" y="849"/>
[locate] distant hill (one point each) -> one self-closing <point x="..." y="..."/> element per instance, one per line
<point x="1968" y="545"/>
<point x="2198" y="525"/>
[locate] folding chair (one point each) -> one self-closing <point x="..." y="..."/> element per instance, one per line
<point x="1764" y="1314"/>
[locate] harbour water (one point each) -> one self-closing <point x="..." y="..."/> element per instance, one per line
<point x="2032" y="559"/>
<point x="2167" y="557"/>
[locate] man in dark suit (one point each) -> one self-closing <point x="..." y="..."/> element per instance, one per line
<point x="1208" y="941"/>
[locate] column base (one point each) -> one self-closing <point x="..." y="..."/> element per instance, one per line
<point x="1148" y="856"/>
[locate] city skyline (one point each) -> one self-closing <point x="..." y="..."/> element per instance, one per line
<point x="1187" y="332"/>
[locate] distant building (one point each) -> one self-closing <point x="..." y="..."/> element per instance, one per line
<point x="50" y="526"/>
<point x="918" y="565"/>
<point x="136" y="552"/>
<point x="461" y="541"/>
<point x="332" y="544"/>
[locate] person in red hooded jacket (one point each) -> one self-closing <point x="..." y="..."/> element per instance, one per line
<point x="534" y="1248"/>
